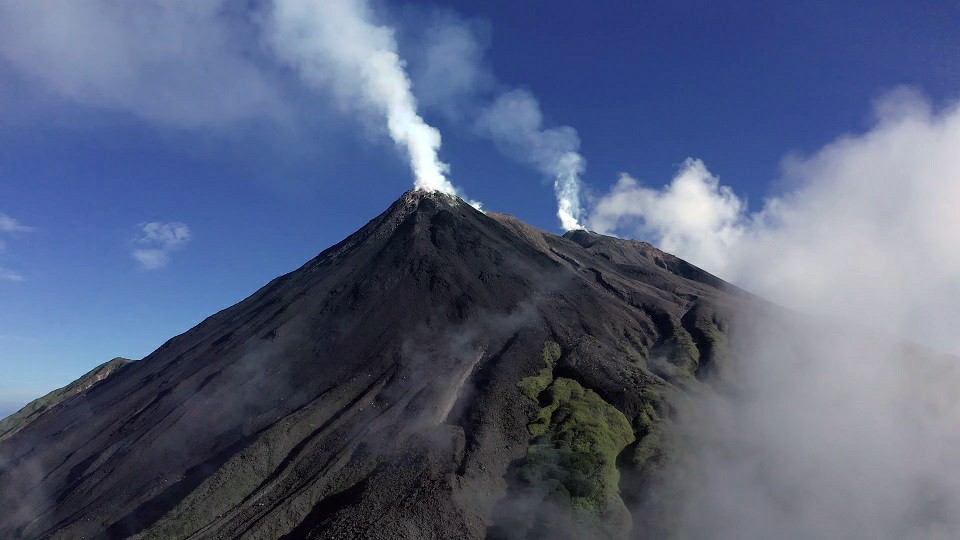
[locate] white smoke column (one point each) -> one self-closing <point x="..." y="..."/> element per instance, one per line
<point x="334" y="43"/>
<point x="567" y="187"/>
<point x="515" y="123"/>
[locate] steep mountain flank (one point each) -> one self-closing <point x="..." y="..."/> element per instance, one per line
<point x="31" y="411"/>
<point x="440" y="373"/>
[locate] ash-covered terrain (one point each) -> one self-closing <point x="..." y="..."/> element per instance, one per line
<point x="441" y="373"/>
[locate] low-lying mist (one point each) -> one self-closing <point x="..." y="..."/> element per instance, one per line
<point x="819" y="431"/>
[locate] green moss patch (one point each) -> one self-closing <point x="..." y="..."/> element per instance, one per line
<point x="569" y="475"/>
<point x="685" y="353"/>
<point x="577" y="437"/>
<point x="651" y="449"/>
<point x="532" y="386"/>
<point x="717" y="346"/>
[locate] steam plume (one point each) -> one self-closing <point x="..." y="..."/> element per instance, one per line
<point x="335" y="43"/>
<point x="461" y="87"/>
<point x="166" y="61"/>
<point x="515" y="123"/>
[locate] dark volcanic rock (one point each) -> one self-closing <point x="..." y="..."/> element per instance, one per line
<point x="31" y="411"/>
<point x="376" y="392"/>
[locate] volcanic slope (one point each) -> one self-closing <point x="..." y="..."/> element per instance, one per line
<point x="440" y="373"/>
<point x="18" y="420"/>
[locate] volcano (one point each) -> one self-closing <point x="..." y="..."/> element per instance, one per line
<point x="440" y="373"/>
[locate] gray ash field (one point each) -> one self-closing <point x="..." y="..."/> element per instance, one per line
<point x="441" y="373"/>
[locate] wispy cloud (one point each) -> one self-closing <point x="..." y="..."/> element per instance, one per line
<point x="163" y="61"/>
<point x="10" y="227"/>
<point x="9" y="275"/>
<point x="448" y="65"/>
<point x="156" y="241"/>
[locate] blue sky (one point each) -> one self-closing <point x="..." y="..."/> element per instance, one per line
<point x="644" y="84"/>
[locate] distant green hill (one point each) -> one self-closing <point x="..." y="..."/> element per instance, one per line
<point x="20" y="419"/>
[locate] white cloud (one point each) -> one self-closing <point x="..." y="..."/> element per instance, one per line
<point x="9" y="275"/>
<point x="213" y="63"/>
<point x="10" y="227"/>
<point x="151" y="259"/>
<point x="830" y="431"/>
<point x="185" y="63"/>
<point x="693" y="216"/>
<point x="870" y="226"/>
<point x="167" y="235"/>
<point x="158" y="241"/>
<point x="514" y="122"/>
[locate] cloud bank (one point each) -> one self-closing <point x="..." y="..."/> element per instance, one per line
<point x="157" y="241"/>
<point x="869" y="226"/>
<point x="833" y="425"/>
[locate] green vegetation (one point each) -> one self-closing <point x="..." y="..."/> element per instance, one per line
<point x="577" y="437"/>
<point x="532" y="386"/>
<point x="719" y="350"/>
<point x="716" y="335"/>
<point x="633" y="347"/>
<point x="22" y="418"/>
<point x="677" y="357"/>
<point x="651" y="450"/>
<point x="571" y="463"/>
<point x="569" y="476"/>
<point x="685" y="353"/>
